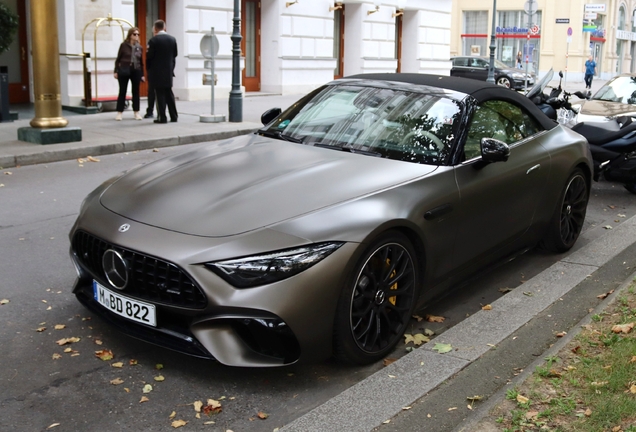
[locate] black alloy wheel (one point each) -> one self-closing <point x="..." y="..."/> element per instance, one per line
<point x="567" y="223"/>
<point x="378" y="302"/>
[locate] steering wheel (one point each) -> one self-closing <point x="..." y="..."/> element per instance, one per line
<point x="438" y="142"/>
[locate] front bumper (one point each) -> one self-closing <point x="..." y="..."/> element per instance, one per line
<point x="277" y="324"/>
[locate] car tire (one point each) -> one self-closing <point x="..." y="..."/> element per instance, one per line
<point x="504" y="81"/>
<point x="631" y="187"/>
<point x="377" y="301"/>
<point x="567" y="221"/>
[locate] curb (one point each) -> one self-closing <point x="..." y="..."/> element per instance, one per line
<point x="68" y="151"/>
<point x="473" y="423"/>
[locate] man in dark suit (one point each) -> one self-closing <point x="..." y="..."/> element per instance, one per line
<point x="160" y="61"/>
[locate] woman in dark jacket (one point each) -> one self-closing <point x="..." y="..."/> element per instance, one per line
<point x="129" y="65"/>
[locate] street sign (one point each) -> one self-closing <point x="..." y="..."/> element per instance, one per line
<point x="534" y="30"/>
<point x="531" y="7"/>
<point x="209" y="45"/>
<point x="590" y="15"/>
<point x="595" y="7"/>
<point x="569" y="31"/>
<point x="563" y="20"/>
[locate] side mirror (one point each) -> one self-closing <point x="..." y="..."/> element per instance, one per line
<point x="270" y="115"/>
<point x="493" y="150"/>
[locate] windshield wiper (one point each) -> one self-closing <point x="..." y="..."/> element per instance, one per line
<point x="348" y="149"/>
<point x="280" y="135"/>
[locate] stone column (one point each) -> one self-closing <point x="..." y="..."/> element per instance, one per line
<point x="46" y="65"/>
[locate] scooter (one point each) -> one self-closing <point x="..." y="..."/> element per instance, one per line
<point x="612" y="144"/>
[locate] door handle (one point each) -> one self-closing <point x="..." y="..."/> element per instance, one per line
<point x="536" y="167"/>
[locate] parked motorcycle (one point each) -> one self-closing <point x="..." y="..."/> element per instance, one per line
<point x="612" y="143"/>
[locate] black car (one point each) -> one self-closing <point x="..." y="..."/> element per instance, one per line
<point x="477" y="68"/>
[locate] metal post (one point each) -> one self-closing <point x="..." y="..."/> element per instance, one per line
<point x="212" y="67"/>
<point x="493" y="45"/>
<point x="236" y="98"/>
<point x="528" y="44"/>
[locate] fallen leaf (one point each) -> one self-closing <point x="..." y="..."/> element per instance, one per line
<point x="92" y="159"/>
<point x="474" y="398"/>
<point x="505" y="290"/>
<point x="159" y="378"/>
<point x="118" y="365"/>
<point x="623" y="328"/>
<point x="418" y="318"/>
<point x="80" y="160"/>
<point x="147" y="388"/>
<point x="612" y="206"/>
<point x="143" y="399"/>
<point x="51" y="426"/>
<point x="598" y="383"/>
<point x="429" y="332"/>
<point x="4" y="301"/>
<point x="632" y="389"/>
<point x="261" y="415"/>
<point x="417" y="339"/>
<point x="132" y="362"/>
<point x="56" y="356"/>
<point x="452" y="409"/>
<point x="633" y="360"/>
<point x="172" y="415"/>
<point x="603" y="296"/>
<point x="531" y="414"/>
<point x="522" y="399"/>
<point x="178" y="423"/>
<point x="104" y="355"/>
<point x="40" y="329"/>
<point x="98" y="342"/>
<point x="528" y="293"/>
<point x="386" y="422"/>
<point x="388" y="361"/>
<point x="197" y="406"/>
<point x="65" y="341"/>
<point x="621" y="215"/>
<point x="608" y="227"/>
<point x="117" y="381"/>
<point x="8" y="173"/>
<point x="487" y="307"/>
<point x="433" y="318"/>
<point x="213" y="407"/>
<point x="210" y="422"/>
<point x="442" y="348"/>
<point x="155" y="150"/>
<point x="158" y="366"/>
<point x="576" y="349"/>
<point x="561" y="334"/>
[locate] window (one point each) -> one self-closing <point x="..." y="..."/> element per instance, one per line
<point x="500" y="120"/>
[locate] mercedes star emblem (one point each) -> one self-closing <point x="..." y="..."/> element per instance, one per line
<point x="124" y="228"/>
<point x="115" y="269"/>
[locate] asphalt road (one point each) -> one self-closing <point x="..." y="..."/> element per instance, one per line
<point x="39" y="204"/>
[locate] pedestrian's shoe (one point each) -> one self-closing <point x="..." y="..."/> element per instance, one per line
<point x="148" y="115"/>
<point x="173" y="120"/>
<point x="118" y="116"/>
<point x="161" y="121"/>
<point x="137" y="116"/>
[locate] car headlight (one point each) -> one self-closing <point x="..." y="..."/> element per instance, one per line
<point x="519" y="76"/>
<point x="271" y="267"/>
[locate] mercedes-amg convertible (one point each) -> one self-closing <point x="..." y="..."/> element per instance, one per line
<point x="321" y="233"/>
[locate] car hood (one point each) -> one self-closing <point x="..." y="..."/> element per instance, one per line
<point x="606" y="108"/>
<point x="247" y="183"/>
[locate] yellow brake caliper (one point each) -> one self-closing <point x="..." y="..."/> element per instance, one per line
<point x="393" y="287"/>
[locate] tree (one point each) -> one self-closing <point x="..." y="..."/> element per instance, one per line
<point x="8" y="27"/>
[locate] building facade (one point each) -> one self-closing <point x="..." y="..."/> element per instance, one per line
<point x="559" y="35"/>
<point x="287" y="46"/>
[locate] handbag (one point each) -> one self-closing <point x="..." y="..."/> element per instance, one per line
<point x="123" y="71"/>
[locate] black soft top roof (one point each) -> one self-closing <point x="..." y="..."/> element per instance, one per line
<point x="480" y="90"/>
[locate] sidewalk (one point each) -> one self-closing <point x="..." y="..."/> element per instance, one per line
<point x="101" y="134"/>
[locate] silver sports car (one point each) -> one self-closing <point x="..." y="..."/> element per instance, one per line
<point x="322" y="232"/>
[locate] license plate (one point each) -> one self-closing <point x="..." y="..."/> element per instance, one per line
<point x="128" y="308"/>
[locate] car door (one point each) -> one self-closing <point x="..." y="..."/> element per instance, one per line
<point x="460" y="67"/>
<point x="479" y="69"/>
<point x="498" y="200"/>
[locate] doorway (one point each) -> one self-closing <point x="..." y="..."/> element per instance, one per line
<point x="338" y="40"/>
<point x="251" y="44"/>
<point x="16" y="58"/>
<point x="146" y="13"/>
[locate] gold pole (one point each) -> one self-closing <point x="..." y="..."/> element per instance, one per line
<point x="46" y="65"/>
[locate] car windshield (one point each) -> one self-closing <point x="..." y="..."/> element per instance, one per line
<point x="384" y="122"/>
<point x="621" y="89"/>
<point x="500" y="64"/>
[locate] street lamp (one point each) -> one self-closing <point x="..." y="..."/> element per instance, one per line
<point x="236" y="98"/>
<point x="493" y="45"/>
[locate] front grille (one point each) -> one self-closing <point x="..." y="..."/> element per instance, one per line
<point x="149" y="278"/>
